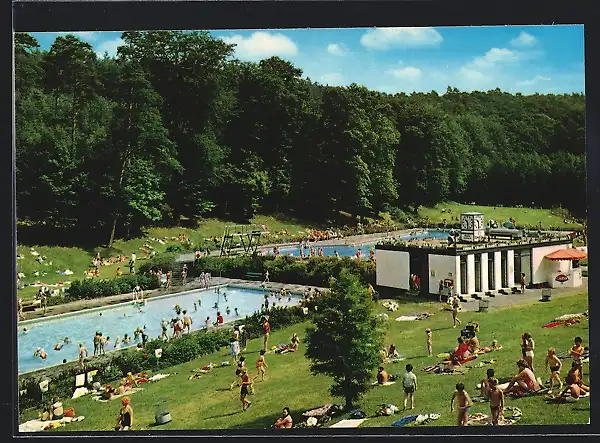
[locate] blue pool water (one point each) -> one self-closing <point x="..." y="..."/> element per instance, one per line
<point x="350" y="250"/>
<point x="124" y="319"/>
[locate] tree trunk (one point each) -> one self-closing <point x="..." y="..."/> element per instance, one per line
<point x="121" y="175"/>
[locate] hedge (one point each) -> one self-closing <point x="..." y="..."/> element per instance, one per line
<point x="175" y="351"/>
<point x="97" y="288"/>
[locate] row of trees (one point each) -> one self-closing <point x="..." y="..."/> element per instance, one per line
<point x="174" y="126"/>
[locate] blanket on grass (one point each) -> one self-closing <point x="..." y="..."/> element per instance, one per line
<point x="348" y="423"/>
<point x="387" y="383"/>
<point x="37" y="425"/>
<point x="114" y="397"/>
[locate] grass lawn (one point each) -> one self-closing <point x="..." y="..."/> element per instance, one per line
<point x="207" y="403"/>
<point x="523" y="216"/>
<point x="78" y="260"/>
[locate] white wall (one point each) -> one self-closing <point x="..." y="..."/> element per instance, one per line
<point x="470" y="274"/>
<point x="393" y="269"/>
<point x="442" y="265"/>
<point x="540" y="265"/>
<point x="484" y="272"/>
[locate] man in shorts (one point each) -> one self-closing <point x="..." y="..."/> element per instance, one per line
<point x="409" y="383"/>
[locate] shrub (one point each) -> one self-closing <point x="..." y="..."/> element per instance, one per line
<point x="95" y="288"/>
<point x="175" y="248"/>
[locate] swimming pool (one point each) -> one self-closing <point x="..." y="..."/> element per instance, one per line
<point x="350" y="250"/>
<point x="125" y="318"/>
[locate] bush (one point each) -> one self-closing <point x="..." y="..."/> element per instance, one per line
<point x="175" y="248"/>
<point x="96" y="288"/>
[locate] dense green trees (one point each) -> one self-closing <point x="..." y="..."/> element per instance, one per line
<point x="174" y="126"/>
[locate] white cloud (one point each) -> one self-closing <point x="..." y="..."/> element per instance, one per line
<point x="262" y="45"/>
<point x="533" y="81"/>
<point x="83" y="35"/>
<point x="332" y="79"/>
<point x="383" y="38"/>
<point x="495" y="56"/>
<point x="336" y="49"/>
<point x="470" y="74"/>
<point x="109" y="46"/>
<point x="524" y="39"/>
<point x="408" y="73"/>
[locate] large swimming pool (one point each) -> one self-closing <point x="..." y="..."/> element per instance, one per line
<point x="349" y="250"/>
<point x="124" y="319"/>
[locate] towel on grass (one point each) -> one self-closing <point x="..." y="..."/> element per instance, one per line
<point x="36" y="425"/>
<point x="387" y="383"/>
<point x="129" y="392"/>
<point x="80" y="392"/>
<point x="348" y="423"/>
<point x="407" y="318"/>
<point x="405" y="420"/>
<point x="158" y="377"/>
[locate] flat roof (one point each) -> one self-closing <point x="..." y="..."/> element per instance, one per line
<point x="437" y="247"/>
<point x="471" y="213"/>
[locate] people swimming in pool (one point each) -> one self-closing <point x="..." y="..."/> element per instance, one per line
<point x="39" y="352"/>
<point x="235" y="311"/>
<point x="228" y="310"/>
<point x="58" y="346"/>
<point x="25" y="331"/>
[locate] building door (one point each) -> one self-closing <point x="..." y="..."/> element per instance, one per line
<point x="526" y="266"/>
<point x="503" y="269"/>
<point x="477" y="272"/>
<point x="463" y="274"/>
<point x="517" y="267"/>
<point x="491" y="280"/>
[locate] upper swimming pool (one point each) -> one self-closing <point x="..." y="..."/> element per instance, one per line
<point x="125" y="318"/>
<point x="349" y="250"/>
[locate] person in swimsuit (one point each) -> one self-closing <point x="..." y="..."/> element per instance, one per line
<point x="187" y="321"/>
<point x="261" y="365"/>
<point x="246" y="382"/>
<point x="524" y="381"/>
<point x="574" y="376"/>
<point x="294" y="342"/>
<point x="235" y="344"/>
<point x="485" y="383"/>
<point x="496" y="401"/>
<point x="238" y="372"/>
<point x="267" y="332"/>
<point x="554" y="363"/>
<point x="96" y="343"/>
<point x="39" y="352"/>
<point x="409" y="383"/>
<point x="577" y="349"/>
<point x="463" y="401"/>
<point x="285" y="421"/>
<point x="529" y="347"/>
<point x="571" y="394"/>
<point x="455" y="309"/>
<point x="429" y="342"/>
<point x="382" y="376"/>
<point x="83" y="353"/>
<point x="125" y="418"/>
<point x="58" y="347"/>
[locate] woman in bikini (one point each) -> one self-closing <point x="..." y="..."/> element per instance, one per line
<point x="246" y="382"/>
<point x="524" y="381"/>
<point x="261" y="365"/>
<point x="125" y="419"/>
<point x="455" y="309"/>
<point x="554" y="363"/>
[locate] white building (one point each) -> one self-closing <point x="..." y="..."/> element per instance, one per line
<point x="474" y="265"/>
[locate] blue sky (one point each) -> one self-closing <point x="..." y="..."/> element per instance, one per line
<point x="526" y="59"/>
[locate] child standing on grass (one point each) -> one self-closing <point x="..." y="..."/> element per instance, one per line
<point x="429" y="342"/>
<point x="261" y="365"/>
<point x="577" y="349"/>
<point x="409" y="383"/>
<point x="463" y="403"/>
<point x="554" y="363"/>
<point x="486" y="383"/>
<point x="496" y="401"/>
<point x="244" y="389"/>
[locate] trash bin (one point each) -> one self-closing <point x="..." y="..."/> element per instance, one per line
<point x="484" y="305"/>
<point x="546" y="294"/>
<point x="162" y="414"/>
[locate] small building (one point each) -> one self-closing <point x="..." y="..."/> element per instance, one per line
<point x="475" y="264"/>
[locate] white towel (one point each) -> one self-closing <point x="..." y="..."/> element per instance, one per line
<point x="79" y="392"/>
<point x="348" y="423"/>
<point x="79" y="380"/>
<point x="406" y="318"/>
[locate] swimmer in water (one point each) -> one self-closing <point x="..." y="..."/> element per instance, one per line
<point x="25" y="330"/>
<point x="58" y="347"/>
<point x="39" y="352"/>
<point x="140" y="310"/>
<point x="199" y="302"/>
<point x="236" y="312"/>
<point x="195" y="307"/>
<point x="101" y="314"/>
<point x="124" y="314"/>
<point x="224" y="296"/>
<point x="227" y="310"/>
<point x="66" y="340"/>
<point x="216" y="306"/>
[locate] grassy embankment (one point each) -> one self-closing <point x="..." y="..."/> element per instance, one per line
<point x="207" y="403"/>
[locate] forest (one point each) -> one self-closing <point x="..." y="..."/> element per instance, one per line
<point x="175" y="128"/>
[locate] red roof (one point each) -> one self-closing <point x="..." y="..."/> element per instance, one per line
<point x="567" y="254"/>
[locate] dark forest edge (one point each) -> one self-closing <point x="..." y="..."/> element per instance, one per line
<point x="174" y="128"/>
